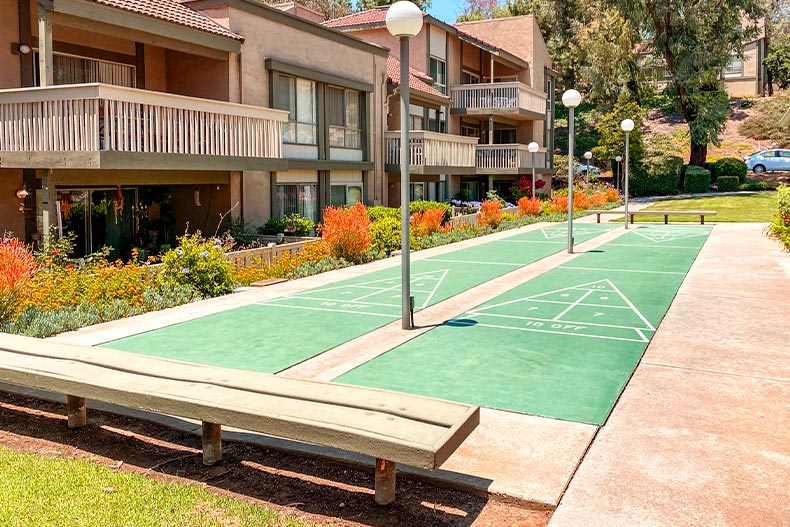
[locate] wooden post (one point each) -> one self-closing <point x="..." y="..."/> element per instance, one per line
<point x="702" y="219"/>
<point x="212" y="443"/>
<point x="385" y="482"/>
<point x="45" y="59"/>
<point x="77" y="411"/>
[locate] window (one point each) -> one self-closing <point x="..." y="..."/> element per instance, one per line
<point x="438" y="71"/>
<point x="504" y="137"/>
<point x="416" y="191"/>
<point x="343" y="109"/>
<point x="340" y="195"/>
<point x="299" y="199"/>
<point x="509" y="78"/>
<point x="735" y="68"/>
<point x="772" y="153"/>
<point x="433" y="120"/>
<point x="68" y="69"/>
<point x="470" y="131"/>
<point x="415" y="122"/>
<point x="470" y="78"/>
<point x="297" y="96"/>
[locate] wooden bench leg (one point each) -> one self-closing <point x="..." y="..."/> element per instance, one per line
<point x="666" y="219"/>
<point x="702" y="219"/>
<point x="77" y="411"/>
<point x="632" y="218"/>
<point x="385" y="482"/>
<point x="212" y="443"/>
<point x="597" y="218"/>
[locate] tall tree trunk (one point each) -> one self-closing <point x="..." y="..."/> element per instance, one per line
<point x="699" y="153"/>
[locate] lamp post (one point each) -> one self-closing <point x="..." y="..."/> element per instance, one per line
<point x="619" y="172"/>
<point x="627" y="125"/>
<point x="404" y="21"/>
<point x="571" y="99"/>
<point x="587" y="156"/>
<point x="533" y="147"/>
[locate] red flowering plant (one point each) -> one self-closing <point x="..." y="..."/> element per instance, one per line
<point x="18" y="265"/>
<point x="523" y="187"/>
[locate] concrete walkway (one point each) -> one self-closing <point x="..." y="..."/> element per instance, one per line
<point x="701" y="435"/>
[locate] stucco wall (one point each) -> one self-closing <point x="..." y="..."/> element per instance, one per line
<point x="9" y="34"/>
<point x="155" y="68"/>
<point x="10" y="217"/>
<point x="197" y="76"/>
<point x="204" y="218"/>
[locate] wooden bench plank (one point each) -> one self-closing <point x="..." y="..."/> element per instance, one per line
<point x="366" y="430"/>
<point x="665" y="213"/>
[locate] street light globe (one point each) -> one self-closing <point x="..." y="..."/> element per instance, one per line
<point x="404" y="19"/>
<point x="627" y="125"/>
<point x="571" y="98"/>
<point x="588" y="155"/>
<point x="533" y="147"/>
<point x="618" y="158"/>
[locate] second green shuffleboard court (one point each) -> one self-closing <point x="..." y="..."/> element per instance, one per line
<point x="562" y="345"/>
<point x="274" y="335"/>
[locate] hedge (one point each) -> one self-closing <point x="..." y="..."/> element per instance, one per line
<point x="729" y="166"/>
<point x="658" y="176"/>
<point x="697" y="179"/>
<point x="727" y="183"/>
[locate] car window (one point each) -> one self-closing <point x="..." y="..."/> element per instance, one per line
<point x="771" y="153"/>
<point x="785" y="153"/>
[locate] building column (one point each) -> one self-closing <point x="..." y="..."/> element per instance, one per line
<point x="45" y="59"/>
<point x="48" y="212"/>
<point x="236" y="194"/>
<point x="234" y="77"/>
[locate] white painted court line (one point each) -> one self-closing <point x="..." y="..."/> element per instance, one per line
<point x="323" y="299"/>
<point x="559" y="242"/>
<point x="435" y="288"/>
<point x="617" y="270"/>
<point x="585" y="305"/>
<point x="571" y="306"/>
<point x="562" y="333"/>
<point x="649" y="325"/>
<point x="477" y="262"/>
<point x="339" y="311"/>
<point x="517" y="317"/>
<point x="645" y="245"/>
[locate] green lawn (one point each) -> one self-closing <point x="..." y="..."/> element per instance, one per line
<point x="759" y="207"/>
<point x="37" y="492"/>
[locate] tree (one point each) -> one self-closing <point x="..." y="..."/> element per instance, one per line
<point x="696" y="40"/>
<point x="778" y="62"/>
<point x="329" y="8"/>
<point x="612" y="141"/>
<point x="777" y="40"/>
<point x="362" y="5"/>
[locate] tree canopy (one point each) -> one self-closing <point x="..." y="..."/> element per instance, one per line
<point x="370" y="4"/>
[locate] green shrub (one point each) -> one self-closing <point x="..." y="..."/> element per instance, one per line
<point x="656" y="176"/>
<point x="385" y="234"/>
<point x="330" y="263"/>
<point x="697" y="179"/>
<point x="422" y="206"/>
<point x="241" y="231"/>
<point x="293" y="224"/>
<point x="758" y="185"/>
<point x="727" y="183"/>
<point x="729" y="166"/>
<point x="198" y="263"/>
<point x="379" y="213"/>
<point x="714" y="171"/>
<point x="784" y="202"/>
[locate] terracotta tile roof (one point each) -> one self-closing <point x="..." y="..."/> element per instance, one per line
<point x="418" y="81"/>
<point x="172" y="11"/>
<point x="375" y="16"/>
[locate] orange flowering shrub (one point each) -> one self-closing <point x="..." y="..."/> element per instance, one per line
<point x="17" y="265"/>
<point x="612" y="195"/>
<point x="529" y="206"/>
<point x="558" y="204"/>
<point x="581" y="201"/>
<point x="490" y="213"/>
<point x="347" y="231"/>
<point x="428" y="222"/>
<point x="598" y="199"/>
<point x="281" y="267"/>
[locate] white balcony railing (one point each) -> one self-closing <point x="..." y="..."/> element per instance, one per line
<point x="432" y="149"/>
<point x="512" y="156"/>
<point x="100" y="117"/>
<point x="502" y="97"/>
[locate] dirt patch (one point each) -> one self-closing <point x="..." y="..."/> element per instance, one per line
<point x="313" y="490"/>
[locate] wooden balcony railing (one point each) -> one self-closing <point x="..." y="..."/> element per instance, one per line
<point x="100" y="117"/>
<point x="512" y="156"/>
<point x="432" y="149"/>
<point x="499" y="97"/>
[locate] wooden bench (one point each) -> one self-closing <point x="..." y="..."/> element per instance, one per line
<point x="389" y="426"/>
<point x="665" y="213"/>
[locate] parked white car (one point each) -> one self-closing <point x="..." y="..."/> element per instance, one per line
<point x="768" y="160"/>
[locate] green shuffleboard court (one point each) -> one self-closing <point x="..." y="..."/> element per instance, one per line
<point x="274" y="335"/>
<point x="562" y="345"/>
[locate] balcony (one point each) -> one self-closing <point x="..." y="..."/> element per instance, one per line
<point x="432" y="153"/>
<point x="509" y="159"/>
<point x="512" y="99"/>
<point x="99" y="126"/>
